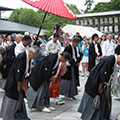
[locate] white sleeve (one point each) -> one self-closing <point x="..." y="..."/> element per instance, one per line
<point x="60" y="48"/>
<point x="78" y="55"/>
<point x="47" y="48"/>
<point x="16" y="50"/>
<point x="103" y="49"/>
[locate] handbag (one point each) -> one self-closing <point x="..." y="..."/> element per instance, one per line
<point x="20" y="113"/>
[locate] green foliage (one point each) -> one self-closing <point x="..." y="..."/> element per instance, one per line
<point x="115" y="4"/>
<point x="102" y="7"/>
<point x="14" y="17"/>
<point x="48" y="34"/>
<point x="106" y="6"/>
<point x="29" y="17"/>
<point x="25" y="16"/>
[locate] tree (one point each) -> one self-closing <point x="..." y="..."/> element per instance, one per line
<point x="88" y="5"/>
<point x="25" y="16"/>
<point x="115" y="4"/>
<point x="14" y="17"/>
<point x="29" y="17"/>
<point x="107" y="6"/>
<point x="101" y="7"/>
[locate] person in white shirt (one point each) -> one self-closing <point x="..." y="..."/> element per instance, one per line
<point x="53" y="46"/>
<point x="108" y="46"/>
<point x="21" y="47"/>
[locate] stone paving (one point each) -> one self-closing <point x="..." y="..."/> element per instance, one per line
<point x="68" y="111"/>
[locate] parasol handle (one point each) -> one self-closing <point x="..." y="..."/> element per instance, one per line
<point x="40" y="27"/>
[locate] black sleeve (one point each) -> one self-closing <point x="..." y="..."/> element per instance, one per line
<point x="19" y="68"/>
<point x="69" y="50"/>
<point x="92" y="53"/>
<point x="100" y="50"/>
<point x="80" y="58"/>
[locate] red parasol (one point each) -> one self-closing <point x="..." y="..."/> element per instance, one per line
<point x="55" y="7"/>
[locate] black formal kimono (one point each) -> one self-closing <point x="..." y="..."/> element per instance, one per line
<point x="43" y="71"/>
<point x="38" y="94"/>
<point x="16" y="74"/>
<point x="92" y="55"/>
<point x="71" y="77"/>
<point x="100" y="74"/>
<point x="73" y="63"/>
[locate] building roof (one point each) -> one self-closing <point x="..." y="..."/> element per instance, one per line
<point x="84" y="31"/>
<point x="11" y="27"/>
<point x="99" y="14"/>
<point x="5" y="8"/>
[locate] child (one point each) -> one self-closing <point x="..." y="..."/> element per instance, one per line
<point x="56" y="84"/>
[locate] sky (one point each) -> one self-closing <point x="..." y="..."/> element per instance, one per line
<point x="18" y="4"/>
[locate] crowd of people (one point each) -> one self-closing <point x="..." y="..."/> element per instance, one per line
<point x="37" y="70"/>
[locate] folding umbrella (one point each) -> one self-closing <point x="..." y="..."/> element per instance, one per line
<point x="55" y="7"/>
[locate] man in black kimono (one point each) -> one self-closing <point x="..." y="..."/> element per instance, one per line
<point x="38" y="93"/>
<point x="99" y="85"/>
<point x="95" y="52"/>
<point x="70" y="80"/>
<point x="17" y="78"/>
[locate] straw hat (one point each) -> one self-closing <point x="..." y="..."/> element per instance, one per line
<point x="40" y="35"/>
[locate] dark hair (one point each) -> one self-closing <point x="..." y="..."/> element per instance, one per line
<point x="76" y="39"/>
<point x="77" y="33"/>
<point x="7" y="35"/>
<point x="26" y="38"/>
<point x="57" y="26"/>
<point x="66" y="55"/>
<point x="60" y="23"/>
<point x="56" y="35"/>
<point x="94" y="35"/>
